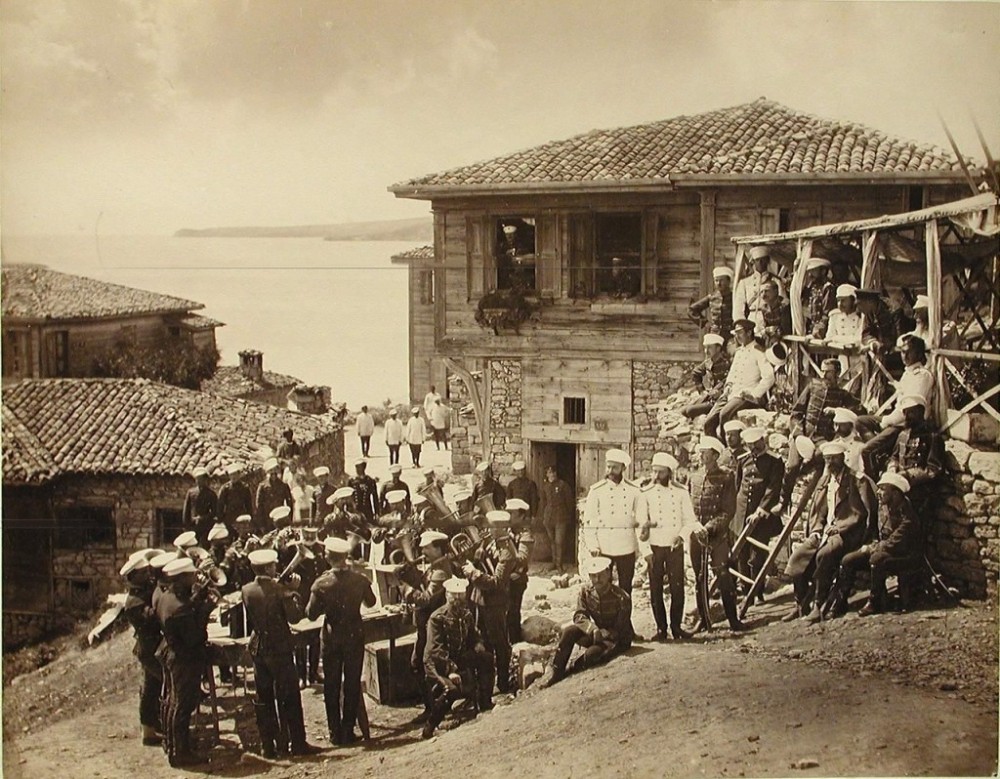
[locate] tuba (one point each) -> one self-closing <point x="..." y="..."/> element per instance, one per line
<point x="302" y="553"/>
<point x="484" y="503"/>
<point x="466" y="542"/>
<point x="434" y="496"/>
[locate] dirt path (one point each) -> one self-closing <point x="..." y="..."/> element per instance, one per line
<point x="735" y="706"/>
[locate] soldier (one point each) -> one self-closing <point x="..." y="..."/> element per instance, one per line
<point x="307" y="652"/>
<point x="733" y="458"/>
<point x="236" y="563"/>
<point x="271" y="605"/>
<point x="456" y="663"/>
<point x="271" y="493"/>
<point x="918" y="455"/>
<point x="394" y="434"/>
<point x="748" y="296"/>
<point x="609" y="518"/>
<point x="395" y="483"/>
<point x="366" y="429"/>
<point x="602" y="623"/>
<point x="325" y="487"/>
<point x="714" y="312"/>
<point x="139" y="612"/>
<point x="665" y="516"/>
<point x="183" y="614"/>
<point x="713" y="498"/>
<point x="845" y="432"/>
<point x="775" y="314"/>
<point x="485" y="484"/>
<point x="338" y="595"/>
<point x="523" y="488"/>
<point x="845" y="325"/>
<point x="342" y="518"/>
<point x="234" y="498"/>
<point x="523" y="542"/>
<point x="818" y="294"/>
<point x="750" y="377"/>
<point x="759" y="499"/>
<point x="365" y="491"/>
<point x="489" y="577"/>
<point x="277" y="539"/>
<point x="558" y="509"/>
<point x="709" y="376"/>
<point x="288" y="451"/>
<point x="415" y="434"/>
<point x="201" y="506"/>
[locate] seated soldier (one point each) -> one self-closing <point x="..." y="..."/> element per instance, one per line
<point x="750" y="377"/>
<point x="709" y="376"/>
<point x="898" y="548"/>
<point x="808" y="461"/>
<point x="456" y="663"/>
<point x="602" y="623"/>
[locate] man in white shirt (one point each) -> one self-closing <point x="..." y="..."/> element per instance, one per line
<point x="609" y="518"/>
<point x="440" y="417"/>
<point x="416" y="432"/>
<point x="429" y="400"/>
<point x="665" y="516"/>
<point x="748" y="295"/>
<point x="366" y="429"/>
<point x="393" y="436"/>
<point x="750" y="377"/>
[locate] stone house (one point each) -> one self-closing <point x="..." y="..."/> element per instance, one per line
<point x="59" y="324"/>
<point x="94" y="469"/>
<point x="578" y="364"/>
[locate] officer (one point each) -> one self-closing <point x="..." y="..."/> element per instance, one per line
<point x="758" y="499"/>
<point x="523" y="488"/>
<point x="365" y="491"/>
<point x="456" y="663"/>
<point x="558" y="508"/>
<point x="713" y="498"/>
<point x="748" y="381"/>
<point x="665" y="516"/>
<point x="818" y="294"/>
<point x="484" y="485"/>
<point x="183" y="612"/>
<point x="395" y="483"/>
<point x="324" y="489"/>
<point x="271" y="493"/>
<point x="748" y="297"/>
<point x="338" y="595"/>
<point x="736" y="453"/>
<point x="714" y="312"/>
<point x="139" y="612"/>
<point x="918" y="455"/>
<point x="271" y="605"/>
<point x="489" y="577"/>
<point x="234" y="498"/>
<point x="709" y="376"/>
<point x="602" y="623"/>
<point x="201" y="506"/>
<point x="609" y="518"/>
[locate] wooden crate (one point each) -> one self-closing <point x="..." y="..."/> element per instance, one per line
<point x="390" y="685"/>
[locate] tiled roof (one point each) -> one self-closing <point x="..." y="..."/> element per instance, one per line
<point x="199" y="322"/>
<point x="25" y="460"/>
<point x="36" y="292"/>
<point x="135" y="426"/>
<point x="758" y="138"/>
<point x="230" y="382"/>
<point x="420" y="253"/>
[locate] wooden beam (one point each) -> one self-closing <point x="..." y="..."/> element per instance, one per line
<point x="708" y="199"/>
<point x="482" y="420"/>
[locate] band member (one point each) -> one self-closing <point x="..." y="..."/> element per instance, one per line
<point x="602" y="623"/>
<point x="759" y="499"/>
<point x="609" y="518"/>
<point x="281" y="521"/>
<point x="713" y="499"/>
<point x="236" y="563"/>
<point x="714" y="312"/>
<point x="365" y="491"/>
<point x="182" y="611"/>
<point x="139" y="612"/>
<point x="201" y="506"/>
<point x="271" y="605"/>
<point x="665" y="516"/>
<point x="456" y="662"/>
<point x="489" y="577"/>
<point x="748" y="381"/>
<point x="558" y="508"/>
<point x="307" y="652"/>
<point x="395" y="483"/>
<point x="523" y="542"/>
<point x="338" y="595"/>
<point x="271" y="493"/>
<point x="485" y="484"/>
<point x="325" y="487"/>
<point x="234" y="498"/>
<point x="523" y="488"/>
<point x="709" y="376"/>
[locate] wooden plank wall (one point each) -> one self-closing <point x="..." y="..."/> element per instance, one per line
<point x="678" y="245"/>
<point x="421" y="335"/>
<point x="88" y="340"/>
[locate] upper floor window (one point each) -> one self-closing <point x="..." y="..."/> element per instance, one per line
<point x="56" y="354"/>
<point x="514" y="253"/>
<point x="15" y="353"/>
<point x="618" y="255"/>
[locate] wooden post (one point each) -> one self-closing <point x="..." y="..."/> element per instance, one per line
<point x="482" y="420"/>
<point x="708" y="198"/>
<point x="933" y="250"/>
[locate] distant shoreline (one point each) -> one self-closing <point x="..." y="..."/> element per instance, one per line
<point x="419" y="229"/>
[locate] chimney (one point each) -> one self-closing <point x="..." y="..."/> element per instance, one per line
<point x="252" y="364"/>
<point x="309" y="400"/>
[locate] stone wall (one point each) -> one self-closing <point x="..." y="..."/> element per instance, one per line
<point x="504" y="409"/>
<point x="21" y="629"/>
<point x="652" y="383"/>
<point x="964" y="546"/>
<point x="464" y="433"/>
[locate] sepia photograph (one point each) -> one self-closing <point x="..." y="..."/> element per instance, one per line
<point x="467" y="388"/>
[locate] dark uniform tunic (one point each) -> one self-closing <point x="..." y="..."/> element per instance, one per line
<point x="491" y="487"/>
<point x="271" y="493"/>
<point x="809" y="408"/>
<point x="139" y="612"/>
<point x="714" y="312"/>
<point x="777" y="319"/>
<point x="234" y="501"/>
<point x="919" y="457"/>
<point x="489" y="594"/>
<point x="394" y="484"/>
<point x="454" y="646"/>
<point x="338" y="595"/>
<point x="610" y="612"/>
<point x="365" y="495"/>
<point x="821" y="299"/>
<point x="201" y="507"/>
<point x="760" y="487"/>
<point x="713" y="496"/>
<point x="525" y="489"/>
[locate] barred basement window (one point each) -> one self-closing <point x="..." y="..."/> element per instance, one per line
<point x="574" y="411"/>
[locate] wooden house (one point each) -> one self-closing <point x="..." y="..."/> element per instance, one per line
<point x="94" y="469"/>
<point x="424" y="371"/>
<point x="581" y="364"/>
<point x="59" y="324"/>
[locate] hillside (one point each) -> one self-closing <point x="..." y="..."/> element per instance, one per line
<point x="419" y="229"/>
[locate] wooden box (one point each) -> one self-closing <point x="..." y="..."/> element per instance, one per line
<point x="395" y="683"/>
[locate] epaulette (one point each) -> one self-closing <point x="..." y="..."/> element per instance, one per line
<point x="647" y="487"/>
<point x="598" y="484"/>
<point x="630" y="483"/>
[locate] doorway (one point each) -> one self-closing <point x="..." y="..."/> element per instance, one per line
<point x="563" y="457"/>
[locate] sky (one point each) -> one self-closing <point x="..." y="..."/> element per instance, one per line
<point x="145" y="116"/>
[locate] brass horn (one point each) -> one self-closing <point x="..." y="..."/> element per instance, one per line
<point x="433" y="494"/>
<point x="302" y="553"/>
<point x="485" y="503"/>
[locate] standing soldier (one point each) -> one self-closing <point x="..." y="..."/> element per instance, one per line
<point x="609" y="518"/>
<point x="416" y="433"/>
<point x="440" y="419"/>
<point x="759" y="498"/>
<point x="714" y="312"/>
<point x="139" y="612"/>
<point x="713" y="498"/>
<point x="201" y="506"/>
<point x="523" y="542"/>
<point x="338" y="595"/>
<point x="365" y="491"/>
<point x="736" y="453"/>
<point x="393" y="436"/>
<point x="485" y="484"/>
<point x="234" y="498"/>
<point x="271" y="493"/>
<point x="525" y="489"/>
<point x="366" y="429"/>
<point x="271" y="605"/>
<point x="395" y="483"/>
<point x="183" y="615"/>
<point x="489" y="577"/>
<point x="749" y="296"/>
<point x="558" y="512"/>
<point x="324" y="489"/>
<point x="665" y="515"/>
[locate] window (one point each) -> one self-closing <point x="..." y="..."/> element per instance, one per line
<point x="174" y="331"/>
<point x="514" y="253"/>
<point x="618" y="255"/>
<point x="574" y="410"/>
<point x="86" y="527"/>
<point x="15" y="353"/>
<point x="57" y="354"/>
<point x="427" y="287"/>
<point x="169" y="525"/>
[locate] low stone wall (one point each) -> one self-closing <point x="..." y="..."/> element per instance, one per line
<point x="20" y="629"/>
<point x="506" y="444"/>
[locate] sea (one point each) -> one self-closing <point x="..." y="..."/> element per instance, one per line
<point x="326" y="312"/>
